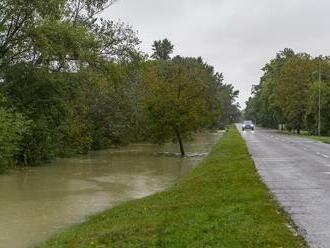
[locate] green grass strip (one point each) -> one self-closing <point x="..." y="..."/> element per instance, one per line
<point x="305" y="134"/>
<point x="222" y="203"/>
<point x="324" y="139"/>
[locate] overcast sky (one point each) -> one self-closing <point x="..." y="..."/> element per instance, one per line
<point x="237" y="37"/>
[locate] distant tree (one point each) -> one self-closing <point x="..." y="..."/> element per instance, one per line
<point x="292" y="89"/>
<point x="311" y="117"/>
<point x="288" y="93"/>
<point x="316" y="87"/>
<point x="162" y="49"/>
<point x="263" y="107"/>
<point x="229" y="109"/>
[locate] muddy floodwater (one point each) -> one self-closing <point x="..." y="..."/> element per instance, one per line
<point x="38" y="202"/>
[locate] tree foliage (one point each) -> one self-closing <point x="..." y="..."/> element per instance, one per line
<point x="13" y="126"/>
<point x="288" y="92"/>
<point x="162" y="49"/>
<point x="182" y="95"/>
<point x="75" y="82"/>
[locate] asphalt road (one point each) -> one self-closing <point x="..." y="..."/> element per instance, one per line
<point x="297" y="171"/>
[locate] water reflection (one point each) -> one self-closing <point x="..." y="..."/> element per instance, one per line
<point x="37" y="202"/>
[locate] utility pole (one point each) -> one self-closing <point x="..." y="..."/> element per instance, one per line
<point x="320" y="80"/>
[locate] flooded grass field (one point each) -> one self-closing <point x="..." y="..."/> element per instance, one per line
<point x="38" y="202"/>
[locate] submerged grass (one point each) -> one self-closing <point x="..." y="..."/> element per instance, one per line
<point x="222" y="203"/>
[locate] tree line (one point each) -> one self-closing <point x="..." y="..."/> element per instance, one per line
<point x="71" y="82"/>
<point x="294" y="92"/>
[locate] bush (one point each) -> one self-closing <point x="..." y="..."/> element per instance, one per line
<point x="13" y="126"/>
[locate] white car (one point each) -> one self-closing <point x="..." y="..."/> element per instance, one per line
<point x="247" y="125"/>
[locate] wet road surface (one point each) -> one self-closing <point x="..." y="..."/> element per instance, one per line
<point x="297" y="171"/>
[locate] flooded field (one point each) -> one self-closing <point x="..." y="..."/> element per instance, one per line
<point x="38" y="202"/>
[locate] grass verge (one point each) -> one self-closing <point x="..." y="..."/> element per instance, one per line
<point x="222" y="203"/>
<point x="324" y="139"/>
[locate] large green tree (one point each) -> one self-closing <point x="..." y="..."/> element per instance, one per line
<point x="263" y="107"/>
<point x="292" y="89"/>
<point x="48" y="52"/>
<point x="176" y="98"/>
<point x="48" y="32"/>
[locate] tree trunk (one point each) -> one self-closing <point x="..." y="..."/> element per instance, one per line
<point x="180" y="142"/>
<point x="298" y="129"/>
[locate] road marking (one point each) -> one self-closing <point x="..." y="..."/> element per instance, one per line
<point x="276" y="159"/>
<point x="322" y="155"/>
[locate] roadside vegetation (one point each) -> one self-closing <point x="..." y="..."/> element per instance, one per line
<point x="222" y="203"/>
<point x="288" y="94"/>
<point x="71" y="82"/>
<point x="324" y="139"/>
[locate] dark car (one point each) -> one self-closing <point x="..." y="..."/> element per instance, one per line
<point x="247" y="125"/>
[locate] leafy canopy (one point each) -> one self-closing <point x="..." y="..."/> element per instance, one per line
<point x="162" y="49"/>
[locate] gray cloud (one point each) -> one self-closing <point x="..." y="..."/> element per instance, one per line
<point x="237" y="37"/>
